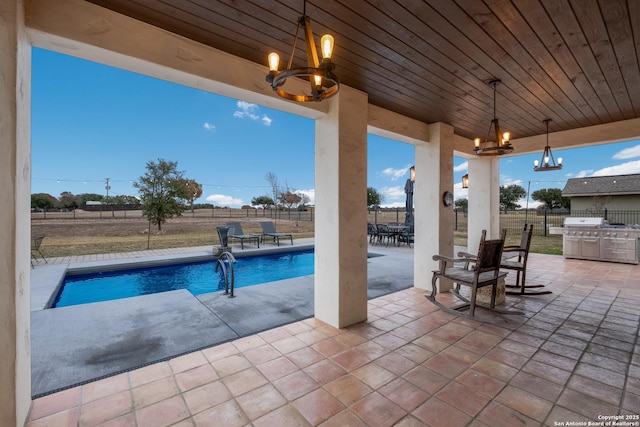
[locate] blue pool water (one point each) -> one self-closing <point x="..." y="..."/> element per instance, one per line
<point x="196" y="277"/>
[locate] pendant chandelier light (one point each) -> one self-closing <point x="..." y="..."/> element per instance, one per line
<point x="500" y="145"/>
<point x="323" y="83"/>
<point x="548" y="162"/>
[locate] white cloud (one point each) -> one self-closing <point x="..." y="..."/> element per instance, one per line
<point x="462" y="167"/>
<point x="584" y="173"/>
<point x="622" y="169"/>
<point x="222" y="200"/>
<point x="393" y="193"/>
<point x="459" y="192"/>
<point x="628" y="153"/>
<point x="506" y="180"/>
<point x="209" y="126"/>
<point x="248" y="110"/>
<point x="393" y="197"/>
<point x="393" y="205"/>
<point x="532" y="203"/>
<point x="395" y="174"/>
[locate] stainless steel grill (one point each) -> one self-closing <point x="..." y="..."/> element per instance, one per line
<point x="572" y="222"/>
<point x="590" y="238"/>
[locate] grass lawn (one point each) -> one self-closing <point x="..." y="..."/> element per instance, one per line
<point x="90" y="234"/>
<point x="84" y="233"/>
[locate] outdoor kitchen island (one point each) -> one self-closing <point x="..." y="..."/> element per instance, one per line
<point x="594" y="239"/>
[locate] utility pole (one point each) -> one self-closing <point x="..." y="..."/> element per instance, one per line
<point x="108" y="187"/>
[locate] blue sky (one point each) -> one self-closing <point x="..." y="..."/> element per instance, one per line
<point x="91" y="122"/>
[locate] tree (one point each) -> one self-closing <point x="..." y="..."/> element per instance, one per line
<point x="600" y="201"/>
<point x="121" y="199"/>
<point x="510" y="194"/>
<point x="462" y="204"/>
<point x="163" y="192"/>
<point x="130" y="200"/>
<point x="195" y="191"/>
<point x="69" y="201"/>
<point x="304" y="201"/>
<point x="263" y="201"/>
<point x="289" y="199"/>
<point x="551" y="198"/>
<point x="273" y="181"/>
<point x="43" y="201"/>
<point x="373" y="198"/>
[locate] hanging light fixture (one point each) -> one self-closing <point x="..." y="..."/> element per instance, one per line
<point x="465" y="181"/>
<point x="548" y="162"/>
<point x="500" y="145"/>
<point x="323" y="83"/>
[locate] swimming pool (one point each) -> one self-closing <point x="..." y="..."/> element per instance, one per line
<point x="196" y="277"/>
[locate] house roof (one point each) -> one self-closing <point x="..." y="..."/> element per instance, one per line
<point x="600" y="185"/>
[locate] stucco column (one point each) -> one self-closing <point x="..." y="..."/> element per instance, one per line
<point x="433" y="222"/>
<point x="340" y="295"/>
<point x="484" y="200"/>
<point x="444" y="135"/>
<point x="15" y="96"/>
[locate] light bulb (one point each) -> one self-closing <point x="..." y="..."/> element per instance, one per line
<point x="318" y="80"/>
<point x="506" y="137"/>
<point x="326" y="44"/>
<point x="559" y="160"/>
<point x="546" y="160"/>
<point x="274" y="61"/>
<point x="535" y="163"/>
<point x="477" y="142"/>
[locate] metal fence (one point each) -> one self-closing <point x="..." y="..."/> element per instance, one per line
<point x="127" y="213"/>
<point x="544" y="219"/>
<point x="514" y="220"/>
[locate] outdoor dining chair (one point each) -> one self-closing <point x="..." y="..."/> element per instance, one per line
<point x="36" y="241"/>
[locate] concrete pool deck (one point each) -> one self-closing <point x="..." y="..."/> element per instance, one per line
<point x="77" y="344"/>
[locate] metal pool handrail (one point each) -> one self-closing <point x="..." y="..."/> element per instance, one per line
<point x="230" y="260"/>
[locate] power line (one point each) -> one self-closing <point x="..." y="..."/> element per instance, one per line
<point x="111" y="180"/>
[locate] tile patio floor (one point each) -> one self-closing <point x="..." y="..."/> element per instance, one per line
<point x="573" y="357"/>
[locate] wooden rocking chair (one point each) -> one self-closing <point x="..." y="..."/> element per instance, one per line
<point x="515" y="258"/>
<point x="475" y="272"/>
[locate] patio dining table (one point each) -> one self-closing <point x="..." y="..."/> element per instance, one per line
<point x="398" y="230"/>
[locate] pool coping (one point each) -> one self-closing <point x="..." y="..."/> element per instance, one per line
<point x="46" y="280"/>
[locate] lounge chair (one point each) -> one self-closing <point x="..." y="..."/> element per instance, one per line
<point x="484" y="272"/>
<point x="269" y="230"/>
<point x="235" y="232"/>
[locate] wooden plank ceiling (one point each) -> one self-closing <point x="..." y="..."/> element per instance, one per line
<point x="573" y="61"/>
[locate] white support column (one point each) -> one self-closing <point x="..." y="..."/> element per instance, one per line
<point x="340" y="296"/>
<point x="484" y="200"/>
<point x="433" y="177"/>
<point x="15" y="181"/>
